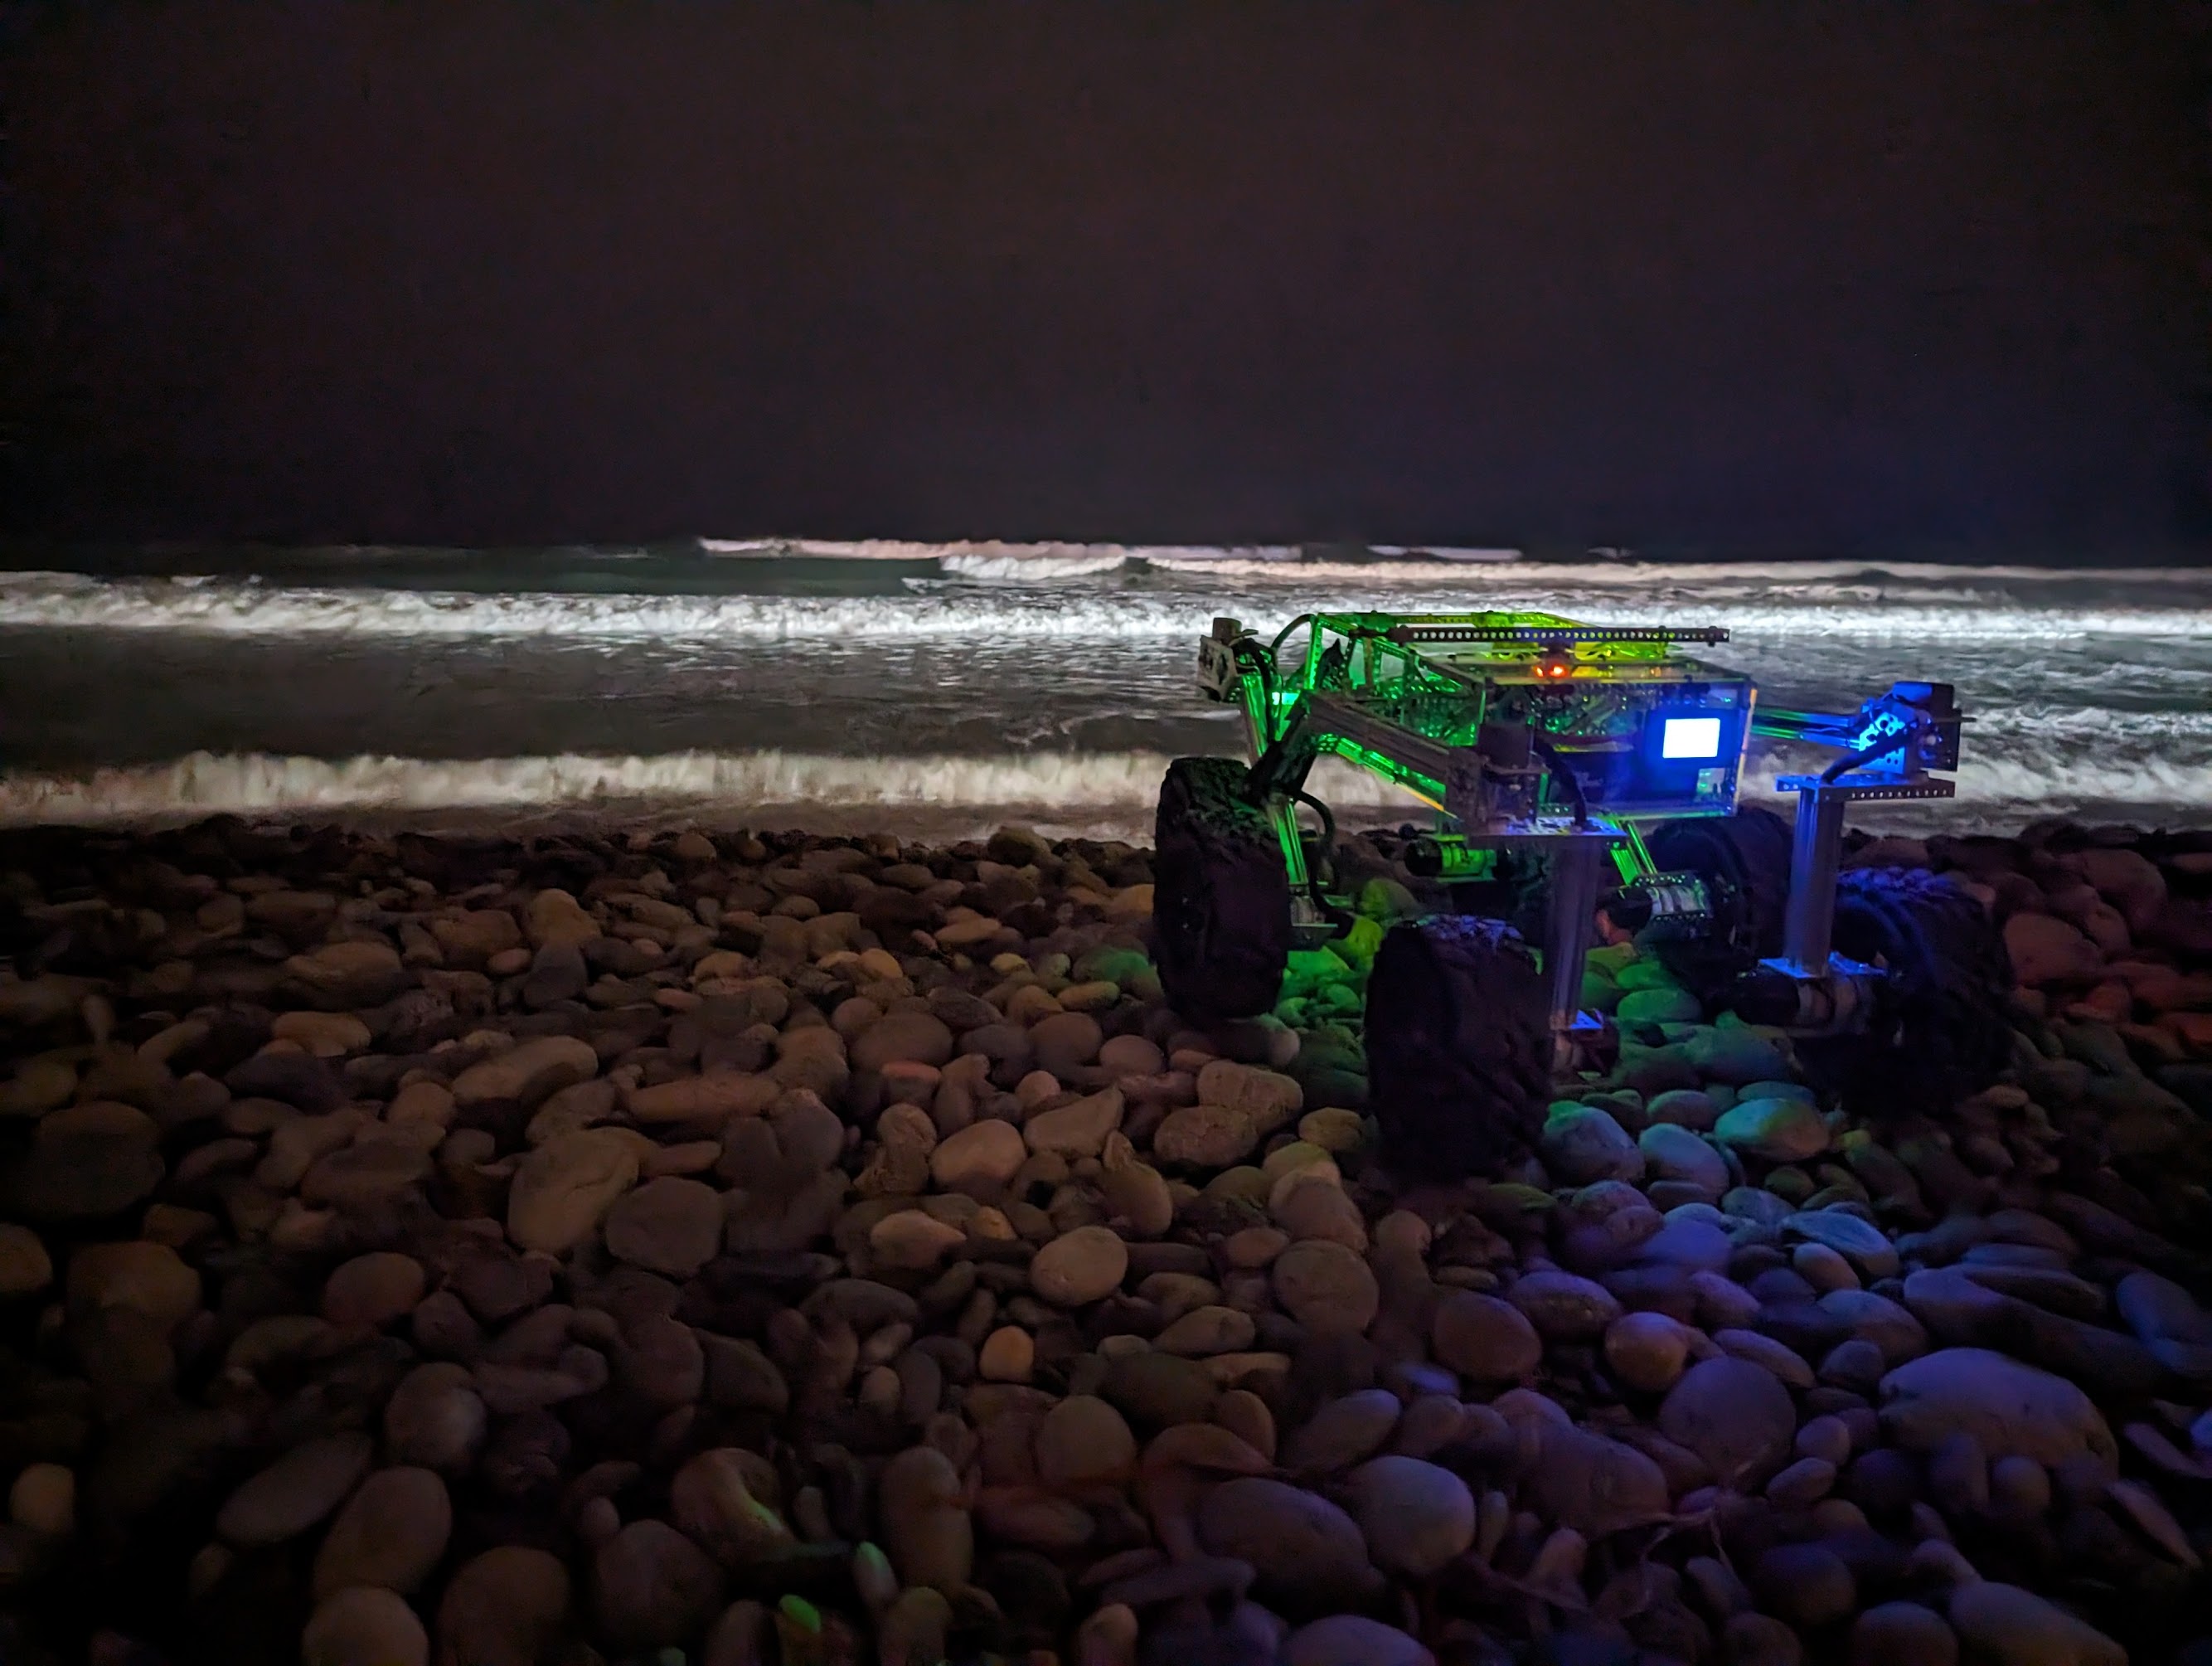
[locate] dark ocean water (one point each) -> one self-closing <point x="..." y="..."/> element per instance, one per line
<point x="942" y="688"/>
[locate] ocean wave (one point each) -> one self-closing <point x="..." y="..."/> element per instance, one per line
<point x="233" y="607"/>
<point x="2060" y="772"/>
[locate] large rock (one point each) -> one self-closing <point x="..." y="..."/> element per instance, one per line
<point x="391" y="1533"/>
<point x="435" y="1418"/>
<point x="926" y="1528"/>
<point x="2012" y="1409"/>
<point x="1086" y="1264"/>
<point x="507" y="1607"/>
<point x="25" y="1267"/>
<point x="1774" y="1130"/>
<point x="982" y="1158"/>
<point x="1077" y="1130"/>
<point x="553" y="916"/>
<point x="527" y="1073"/>
<point x="300" y="1489"/>
<point x="563" y="1189"/>
<point x="652" y="1588"/>
<point x="1205" y="1136"/>
<point x="668" y="1225"/>
<point x="1582" y="1144"/>
<point x="346" y="976"/>
<point x="149" y="1280"/>
<point x="2046" y="951"/>
<point x="1734" y="1414"/>
<point x="1326" y="1287"/>
<point x="1309" y="1553"/>
<point x="1269" y="1098"/>
<point x="1417" y="1517"/>
<point x="86" y="1162"/>
<point x="1486" y="1339"/>
<point x="1353" y="1640"/>
<point x="2005" y="1625"/>
<point x="1672" y="1151"/>
<point x="364" y="1625"/>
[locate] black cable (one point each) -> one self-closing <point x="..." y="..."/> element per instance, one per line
<point x="1543" y="748"/>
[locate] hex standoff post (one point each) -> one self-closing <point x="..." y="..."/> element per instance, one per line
<point x="1815" y="853"/>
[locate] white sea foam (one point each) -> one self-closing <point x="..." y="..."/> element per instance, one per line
<point x="233" y="607"/>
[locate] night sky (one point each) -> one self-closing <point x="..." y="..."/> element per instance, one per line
<point x="1768" y="277"/>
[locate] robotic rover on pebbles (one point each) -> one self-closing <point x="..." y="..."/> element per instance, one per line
<point x="1576" y="771"/>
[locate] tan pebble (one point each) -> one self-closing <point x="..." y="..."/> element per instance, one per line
<point x="25" y="1267"/>
<point x="364" y="1625"/>
<point x="912" y="1240"/>
<point x="44" y="1500"/>
<point x="1080" y="1267"/>
<point x="1331" y="1128"/>
<point x="1255" y="1246"/>
<point x="1008" y="1355"/>
<point x="372" y="1290"/>
<point x="1245" y="1415"/>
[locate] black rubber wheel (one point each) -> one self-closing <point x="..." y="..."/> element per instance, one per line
<point x="1221" y="897"/>
<point x="1458" y="1047"/>
<point x="1941" y="1028"/>
<point x="1744" y="859"/>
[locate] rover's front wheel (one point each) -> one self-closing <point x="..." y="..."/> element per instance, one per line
<point x="1458" y="1047"/>
<point x="1221" y="894"/>
<point x="1942" y="1027"/>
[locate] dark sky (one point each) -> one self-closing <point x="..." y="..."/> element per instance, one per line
<point x="1730" y="274"/>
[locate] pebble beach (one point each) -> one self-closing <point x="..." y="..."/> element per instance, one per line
<point x="773" y="1249"/>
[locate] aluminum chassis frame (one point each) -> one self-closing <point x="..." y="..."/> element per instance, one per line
<point x="1889" y="747"/>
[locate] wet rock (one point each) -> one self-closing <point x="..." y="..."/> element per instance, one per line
<point x="652" y="1587"/>
<point x="436" y="1420"/>
<point x="2006" y="1626"/>
<point x="1351" y="1639"/>
<point x="1647" y="1352"/>
<point x="527" y="1073"/>
<point x="1773" y="1130"/>
<point x="85" y="1162"/>
<point x="1903" y="1634"/>
<point x="1562" y="1307"/>
<point x="1582" y="1144"/>
<point x="1484" y="1339"/>
<point x="1417" y="1517"/>
<point x="563" y="1188"/>
<point x="1326" y="1287"/>
<point x="392" y="1533"/>
<point x="1733" y="1415"/>
<point x="295" y="1492"/>
<point x="1306" y="1550"/>
<point x="2011" y="1408"/>
<point x="25" y="1267"/>
<point x="926" y="1528"/>
<point x="1080" y="1267"/>
<point x="371" y="1290"/>
<point x="364" y="1627"/>
<point x="507" y="1607"/>
<point x="668" y="1225"/>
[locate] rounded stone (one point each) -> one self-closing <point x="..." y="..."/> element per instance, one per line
<point x="43" y="1500"/>
<point x="1082" y="1266"/>
<point x="505" y="1607"/>
<point x="563" y="1188"/>
<point x="1353" y="1640"/>
<point x="669" y="1226"/>
<point x="149" y="1280"/>
<point x="1417" y="1516"/>
<point x="1563" y="1307"/>
<point x="652" y="1588"/>
<point x="1776" y="1130"/>
<point x="1808" y="1584"/>
<point x="1325" y="1286"/>
<point x="1484" y="1339"/>
<point x="295" y="1492"/>
<point x="391" y="1533"/>
<point x="435" y="1418"/>
<point x="1583" y="1143"/>
<point x="1008" y="1355"/>
<point x="364" y="1625"/>
<point x="371" y="1290"/>
<point x="1903" y="1634"/>
<point x="1734" y="1414"/>
<point x="25" y="1267"/>
<point x="1065" y="1042"/>
<point x="909" y="1037"/>
<point x="87" y="1161"/>
<point x="1083" y="1441"/>
<point x="1646" y="1351"/>
<point x="982" y="1158"/>
<point x="1301" y="1543"/>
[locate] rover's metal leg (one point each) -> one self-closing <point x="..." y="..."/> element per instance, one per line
<point x="1576" y="871"/>
<point x="1809" y="921"/>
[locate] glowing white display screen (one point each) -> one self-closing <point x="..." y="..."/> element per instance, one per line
<point x="1691" y="737"/>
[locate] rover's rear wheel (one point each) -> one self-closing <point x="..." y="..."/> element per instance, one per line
<point x="1744" y="859"/>
<point x="1221" y="896"/>
<point x="1941" y="1028"/>
<point x="1458" y="1047"/>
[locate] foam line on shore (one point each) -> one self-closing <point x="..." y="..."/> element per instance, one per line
<point x="230" y="607"/>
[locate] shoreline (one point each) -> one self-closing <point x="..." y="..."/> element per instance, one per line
<point x="463" y="1243"/>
